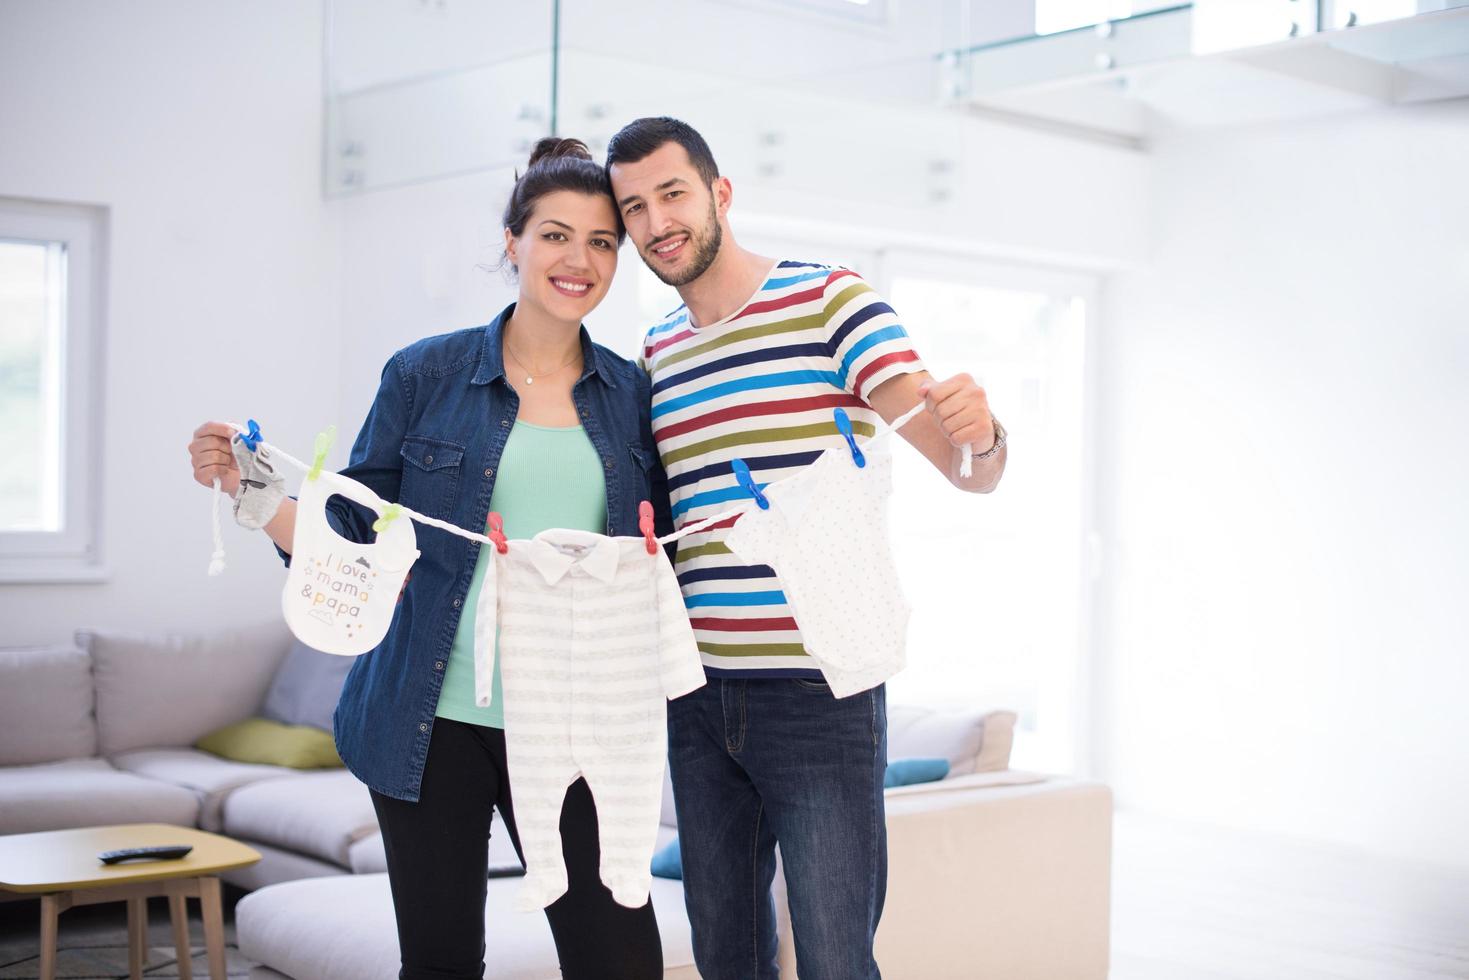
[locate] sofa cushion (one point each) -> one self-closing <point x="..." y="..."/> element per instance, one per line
<point x="276" y="865"/>
<point x="306" y="687"/>
<point x="46" y="706"/>
<point x="367" y="856"/>
<point x="667" y="816"/>
<point x="342" y="928"/>
<point x="87" y="793"/>
<point x="320" y="813"/>
<point x="157" y="691"/>
<point x="210" y="778"/>
<point x="972" y="741"/>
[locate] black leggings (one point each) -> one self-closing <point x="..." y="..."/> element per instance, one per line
<point x="437" y="853"/>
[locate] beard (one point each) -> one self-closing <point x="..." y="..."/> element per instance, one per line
<point x="705" y="250"/>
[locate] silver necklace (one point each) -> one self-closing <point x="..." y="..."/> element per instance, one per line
<point x="530" y="379"/>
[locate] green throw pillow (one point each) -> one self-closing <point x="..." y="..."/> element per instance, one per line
<point x="274" y="744"/>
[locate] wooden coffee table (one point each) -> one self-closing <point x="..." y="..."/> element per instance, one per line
<point x="62" y="867"/>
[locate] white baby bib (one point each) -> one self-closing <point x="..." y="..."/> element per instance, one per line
<point x="340" y="595"/>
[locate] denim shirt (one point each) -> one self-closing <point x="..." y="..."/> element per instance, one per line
<point x="432" y="442"/>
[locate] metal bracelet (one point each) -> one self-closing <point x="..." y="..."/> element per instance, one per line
<point x="1000" y="436"/>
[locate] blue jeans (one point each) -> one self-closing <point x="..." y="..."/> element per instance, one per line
<point x="761" y="762"/>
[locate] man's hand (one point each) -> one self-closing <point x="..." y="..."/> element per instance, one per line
<point x="958" y="413"/>
<point x="962" y="411"/>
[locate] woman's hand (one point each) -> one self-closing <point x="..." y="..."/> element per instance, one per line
<point x="212" y="458"/>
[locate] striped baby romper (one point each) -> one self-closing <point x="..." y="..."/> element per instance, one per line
<point x="593" y="641"/>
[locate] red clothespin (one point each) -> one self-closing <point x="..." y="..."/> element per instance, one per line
<point x="645" y="524"/>
<point x="495" y="527"/>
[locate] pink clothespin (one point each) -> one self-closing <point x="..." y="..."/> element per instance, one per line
<point x="495" y="527"/>
<point x="645" y="524"/>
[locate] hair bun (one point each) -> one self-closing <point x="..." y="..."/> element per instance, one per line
<point x="554" y="148"/>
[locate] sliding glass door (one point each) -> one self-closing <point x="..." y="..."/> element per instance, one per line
<point x="1000" y="583"/>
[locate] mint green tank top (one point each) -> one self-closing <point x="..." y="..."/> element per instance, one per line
<point x="549" y="477"/>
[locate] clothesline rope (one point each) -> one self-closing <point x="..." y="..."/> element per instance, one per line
<point x="217" y="561"/>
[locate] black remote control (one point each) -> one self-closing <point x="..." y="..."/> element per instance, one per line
<point x="159" y="852"/>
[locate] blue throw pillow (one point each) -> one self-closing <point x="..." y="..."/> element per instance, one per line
<point x="668" y="862"/>
<point x="906" y="772"/>
<point x="306" y="687"/>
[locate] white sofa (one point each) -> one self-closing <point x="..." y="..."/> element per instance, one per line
<point x="102" y="733"/>
<point x="992" y="872"/>
<point x="1000" y="874"/>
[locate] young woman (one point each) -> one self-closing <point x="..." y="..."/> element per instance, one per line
<point x="526" y="417"/>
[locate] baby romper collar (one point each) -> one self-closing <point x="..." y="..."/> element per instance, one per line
<point x="556" y="550"/>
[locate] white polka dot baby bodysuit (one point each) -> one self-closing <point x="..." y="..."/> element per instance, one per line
<point x="826" y="537"/>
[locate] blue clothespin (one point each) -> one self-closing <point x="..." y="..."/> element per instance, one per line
<point x="252" y="438"/>
<point x="844" y="426"/>
<point x="742" y="473"/>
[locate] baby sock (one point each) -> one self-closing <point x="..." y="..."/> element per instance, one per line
<point x="262" y="488"/>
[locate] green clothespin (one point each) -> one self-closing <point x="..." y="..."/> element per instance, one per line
<point x="324" y="442"/>
<point x="390" y="514"/>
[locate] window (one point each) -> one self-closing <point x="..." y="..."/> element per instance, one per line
<point x="1342" y="13"/>
<point x="33" y="276"/>
<point x="49" y="297"/>
<point x="1054" y="16"/>
<point x="856" y="11"/>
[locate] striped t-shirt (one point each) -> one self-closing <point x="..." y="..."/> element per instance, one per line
<point x="761" y="385"/>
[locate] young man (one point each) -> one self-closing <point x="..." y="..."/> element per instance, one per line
<point x="752" y="366"/>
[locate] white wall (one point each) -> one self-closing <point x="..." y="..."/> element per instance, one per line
<point x="416" y="261"/>
<point x="198" y="125"/>
<point x="1283" y="468"/>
